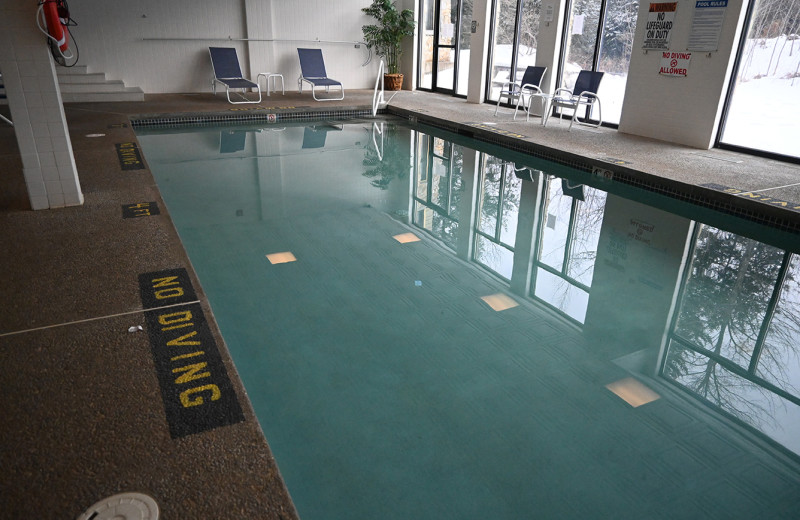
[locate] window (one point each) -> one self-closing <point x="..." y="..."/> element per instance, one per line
<point x="515" y="35"/>
<point x="764" y="102"/>
<point x="599" y="36"/>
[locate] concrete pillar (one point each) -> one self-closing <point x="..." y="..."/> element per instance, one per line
<point x="467" y="210"/>
<point x="270" y="172"/>
<point x="479" y="51"/>
<point x="260" y="25"/>
<point x="408" y="62"/>
<point x="641" y="253"/>
<point x="548" y="47"/>
<point x="35" y="102"/>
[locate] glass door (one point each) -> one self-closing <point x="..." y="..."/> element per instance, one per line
<point x="445" y="37"/>
<point x="444" y="48"/>
<point x="599" y="37"/>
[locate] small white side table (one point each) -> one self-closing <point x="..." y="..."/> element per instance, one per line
<point x="274" y="76"/>
<point x="546" y="99"/>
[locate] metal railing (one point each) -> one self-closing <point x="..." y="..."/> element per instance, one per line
<point x="378" y="99"/>
<point x="354" y="43"/>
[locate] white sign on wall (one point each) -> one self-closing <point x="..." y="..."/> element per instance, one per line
<point x="577" y="24"/>
<point x="707" y="25"/>
<point x="660" y="18"/>
<point x="674" y="63"/>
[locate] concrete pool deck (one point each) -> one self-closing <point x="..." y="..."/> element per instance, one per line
<point x="84" y="415"/>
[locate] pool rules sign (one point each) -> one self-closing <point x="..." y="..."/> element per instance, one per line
<point x="660" y="19"/>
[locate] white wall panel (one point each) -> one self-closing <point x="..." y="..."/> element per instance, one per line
<point x="312" y="20"/>
<point x="110" y="37"/>
<point x="260" y="26"/>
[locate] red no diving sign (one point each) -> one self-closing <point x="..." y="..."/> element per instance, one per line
<point x="674" y="63"/>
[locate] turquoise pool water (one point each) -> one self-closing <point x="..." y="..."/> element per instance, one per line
<point x="463" y="332"/>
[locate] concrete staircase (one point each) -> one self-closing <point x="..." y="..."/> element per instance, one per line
<point x="78" y="85"/>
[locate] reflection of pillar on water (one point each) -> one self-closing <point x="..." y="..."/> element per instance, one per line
<point x="640" y="254"/>
<point x="470" y="174"/>
<point x="525" y="242"/>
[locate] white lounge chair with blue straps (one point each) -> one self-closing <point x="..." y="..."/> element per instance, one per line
<point x="312" y="71"/>
<point x="225" y="63"/>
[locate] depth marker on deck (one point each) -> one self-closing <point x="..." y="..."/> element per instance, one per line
<point x="129" y="156"/>
<point x="140" y="209"/>
<point x="743" y="194"/>
<point x="500" y="131"/>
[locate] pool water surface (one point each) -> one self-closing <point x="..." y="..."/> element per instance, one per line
<point x="434" y="328"/>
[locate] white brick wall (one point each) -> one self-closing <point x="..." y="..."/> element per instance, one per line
<point x="36" y="109"/>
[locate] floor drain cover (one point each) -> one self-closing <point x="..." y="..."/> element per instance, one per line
<point x="125" y="506"/>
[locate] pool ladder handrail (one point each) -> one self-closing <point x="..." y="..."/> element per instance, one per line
<point x="3" y="96"/>
<point x="378" y="99"/>
<point x="379" y="130"/>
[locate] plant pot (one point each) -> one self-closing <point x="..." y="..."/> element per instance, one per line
<point x="392" y="81"/>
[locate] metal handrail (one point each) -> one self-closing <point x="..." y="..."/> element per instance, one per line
<point x="230" y="39"/>
<point x="379" y="130"/>
<point x="378" y="99"/>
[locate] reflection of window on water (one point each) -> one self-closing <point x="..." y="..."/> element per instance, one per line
<point x="498" y="212"/>
<point x="569" y="231"/>
<point x="734" y="340"/>
<point x="437" y="187"/>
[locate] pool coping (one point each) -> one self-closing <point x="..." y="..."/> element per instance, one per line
<point x="721" y="198"/>
<point x="761" y="209"/>
<point x="256" y="114"/>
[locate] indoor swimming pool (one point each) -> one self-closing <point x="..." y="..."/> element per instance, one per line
<point x="432" y="327"/>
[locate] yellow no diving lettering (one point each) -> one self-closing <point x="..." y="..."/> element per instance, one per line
<point x="172" y="292"/>
<point x="186" y="402"/>
<point x="192" y="373"/>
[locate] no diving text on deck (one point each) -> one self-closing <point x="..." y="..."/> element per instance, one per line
<point x="197" y="393"/>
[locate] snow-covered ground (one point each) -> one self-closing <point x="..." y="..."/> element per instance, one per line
<point x="765" y="109"/>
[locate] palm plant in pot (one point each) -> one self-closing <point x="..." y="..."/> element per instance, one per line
<point x="386" y="37"/>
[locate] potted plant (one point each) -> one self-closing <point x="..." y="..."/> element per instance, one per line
<point x="386" y="37"/>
